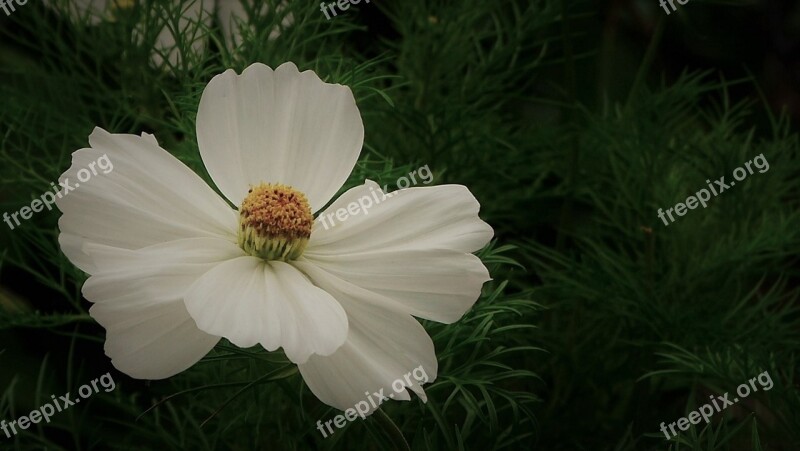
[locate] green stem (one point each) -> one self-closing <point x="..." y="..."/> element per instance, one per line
<point x="392" y="431"/>
<point x="647" y="61"/>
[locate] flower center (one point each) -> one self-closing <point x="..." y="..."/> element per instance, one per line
<point x="125" y="4"/>
<point x="274" y="222"/>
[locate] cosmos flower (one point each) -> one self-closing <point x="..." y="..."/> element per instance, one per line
<point x="195" y="17"/>
<point x="173" y="266"/>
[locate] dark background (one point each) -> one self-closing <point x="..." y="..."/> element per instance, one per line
<point x="571" y="133"/>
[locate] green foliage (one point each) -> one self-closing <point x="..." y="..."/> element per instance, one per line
<point x="248" y="399"/>
<point x="600" y="322"/>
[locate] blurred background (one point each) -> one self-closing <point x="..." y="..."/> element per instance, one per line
<point x="572" y="122"/>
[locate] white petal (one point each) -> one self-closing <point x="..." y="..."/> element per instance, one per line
<point x="280" y="126"/>
<point x="152" y="342"/>
<point x="409" y="251"/>
<point x="140" y="196"/>
<point x="194" y="19"/>
<point x="249" y="301"/>
<point x="157" y="273"/>
<point x="138" y="299"/>
<point x="436" y="284"/>
<point x="435" y="217"/>
<point x="385" y="350"/>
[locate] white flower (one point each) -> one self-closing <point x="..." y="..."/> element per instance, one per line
<point x="195" y="17"/>
<point x="174" y="267"/>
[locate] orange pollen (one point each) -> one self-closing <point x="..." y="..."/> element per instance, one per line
<point x="275" y="222"/>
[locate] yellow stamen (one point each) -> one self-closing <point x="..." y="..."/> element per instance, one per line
<point x="275" y="222"/>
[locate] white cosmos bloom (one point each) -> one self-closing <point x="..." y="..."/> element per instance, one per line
<point x="174" y="267"/>
<point x="196" y="17"/>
